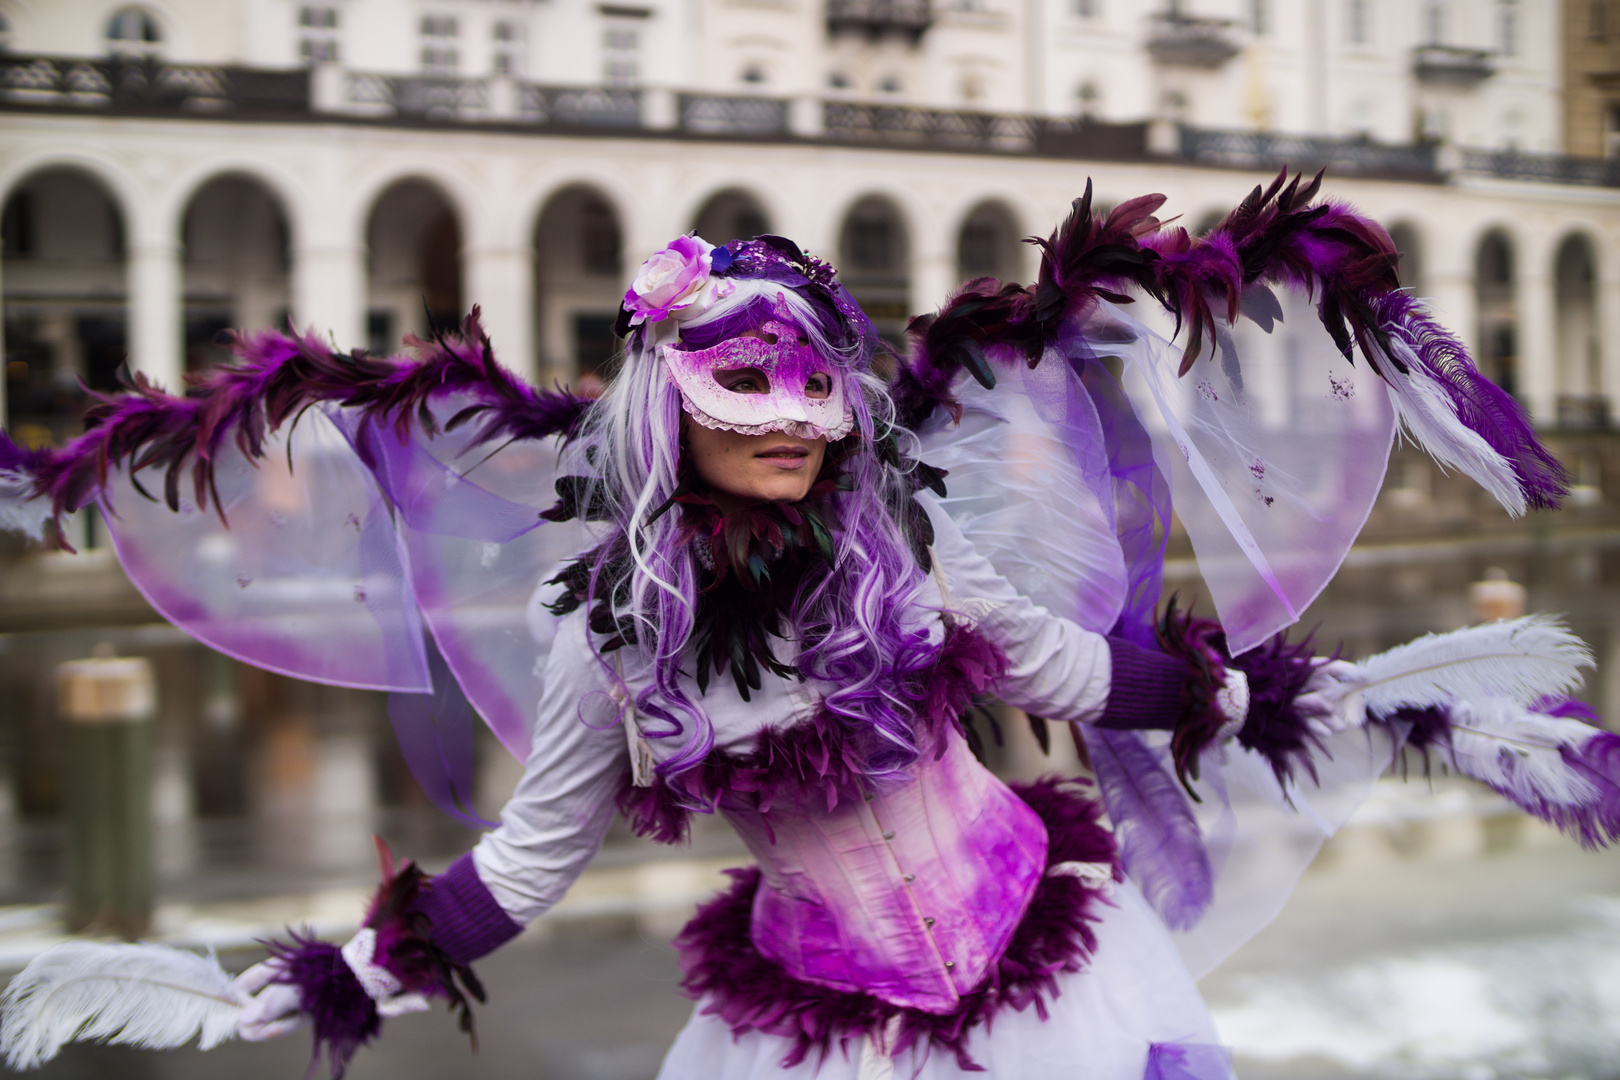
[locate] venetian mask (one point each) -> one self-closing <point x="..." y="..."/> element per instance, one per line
<point x="772" y="380"/>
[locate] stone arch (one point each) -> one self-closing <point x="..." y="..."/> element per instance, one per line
<point x="414" y="273"/>
<point x="1495" y="286"/>
<point x="731" y="214"/>
<point x="1581" y="403"/>
<point x="988" y="243"/>
<point x="579" y="281"/>
<point x="236" y="261"/>
<point x="65" y="277"/>
<point x="874" y="261"/>
<point x="1409" y="255"/>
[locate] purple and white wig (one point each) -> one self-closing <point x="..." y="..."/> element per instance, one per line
<point x="858" y="625"/>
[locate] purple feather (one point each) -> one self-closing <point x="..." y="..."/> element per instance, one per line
<point x="1278" y="673"/>
<point x="279" y="376"/>
<point x="1482" y="406"/>
<point x="1159" y="838"/>
<point x="752" y="992"/>
<point x="1598" y="763"/>
<point x="343" y="1017"/>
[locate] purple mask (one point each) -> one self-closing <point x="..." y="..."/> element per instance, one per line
<point x="755" y="385"/>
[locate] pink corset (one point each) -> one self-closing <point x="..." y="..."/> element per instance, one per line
<point x="910" y="896"/>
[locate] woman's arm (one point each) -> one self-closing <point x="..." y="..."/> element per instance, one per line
<point x="1056" y="668"/>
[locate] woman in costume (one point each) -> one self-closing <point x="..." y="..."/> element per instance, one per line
<point x="789" y="582"/>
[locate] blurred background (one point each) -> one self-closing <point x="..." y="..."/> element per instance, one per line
<point x="372" y="168"/>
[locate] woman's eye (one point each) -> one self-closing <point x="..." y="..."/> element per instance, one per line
<point x="818" y="386"/>
<point x="744" y="380"/>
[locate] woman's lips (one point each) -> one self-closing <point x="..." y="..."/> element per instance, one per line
<point x="784" y="457"/>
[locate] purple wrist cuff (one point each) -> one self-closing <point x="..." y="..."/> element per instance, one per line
<point x="467" y="921"/>
<point x="1148" y="688"/>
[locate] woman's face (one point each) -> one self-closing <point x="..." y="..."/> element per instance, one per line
<point x="744" y="469"/>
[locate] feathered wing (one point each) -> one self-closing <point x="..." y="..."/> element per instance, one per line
<point x="148" y="996"/>
<point x="321" y="514"/>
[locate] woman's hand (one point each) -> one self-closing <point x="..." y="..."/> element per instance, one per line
<point x="271" y="1008"/>
<point x="1325" y="701"/>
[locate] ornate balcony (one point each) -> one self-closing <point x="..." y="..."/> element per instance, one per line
<point x="717" y="114"/>
<point x="876" y="18"/>
<point x="1177" y="40"/>
<point x="1447" y="65"/>
<point x="146" y="83"/>
<point x="1264" y="150"/>
<point x="1543" y="168"/>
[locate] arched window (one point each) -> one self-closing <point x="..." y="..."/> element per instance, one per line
<point x="5" y="33"/>
<point x="133" y="31"/>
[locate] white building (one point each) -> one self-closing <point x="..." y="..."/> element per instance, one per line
<point x="174" y="168"/>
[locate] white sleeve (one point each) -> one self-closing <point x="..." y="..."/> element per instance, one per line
<point x="1057" y="669"/>
<point x="562" y="808"/>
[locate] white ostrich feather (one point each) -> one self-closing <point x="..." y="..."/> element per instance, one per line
<point x="1430" y="415"/>
<point x="20" y="510"/>
<point x="149" y="996"/>
<point x="1515" y="750"/>
<point x="1517" y="660"/>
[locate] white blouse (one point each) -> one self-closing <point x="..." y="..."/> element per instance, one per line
<point x="555" y="820"/>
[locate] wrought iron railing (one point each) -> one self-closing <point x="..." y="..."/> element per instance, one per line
<point x="1263" y="150"/>
<point x="1546" y="168"/>
<point x="580" y="106"/>
<point x="935" y="129"/>
<point x="151" y="85"/>
<point x="148" y="83"/>
<point x="908" y="17"/>
<point x="712" y="114"/>
<point x="1185" y="41"/>
<point x="425" y="97"/>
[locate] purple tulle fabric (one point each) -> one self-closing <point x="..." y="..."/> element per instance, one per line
<point x="754" y="993"/>
<point x="825" y="755"/>
<point x="1188" y="1061"/>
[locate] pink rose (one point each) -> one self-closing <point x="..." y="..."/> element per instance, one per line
<point x="670" y="281"/>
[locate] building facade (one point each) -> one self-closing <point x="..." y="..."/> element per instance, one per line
<point x="371" y="168"/>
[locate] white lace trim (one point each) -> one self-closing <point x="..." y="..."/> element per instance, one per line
<point x="796" y="428"/>
<point x="377" y="981"/>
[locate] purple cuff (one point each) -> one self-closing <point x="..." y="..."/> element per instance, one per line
<point x="467" y="922"/>
<point x="1148" y="688"/>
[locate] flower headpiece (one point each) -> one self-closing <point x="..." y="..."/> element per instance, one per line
<point x="685" y="279"/>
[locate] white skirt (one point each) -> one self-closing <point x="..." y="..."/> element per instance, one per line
<point x="1136" y="992"/>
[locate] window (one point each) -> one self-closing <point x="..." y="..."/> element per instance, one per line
<point x="1597" y="18"/>
<point x="511" y="49"/>
<point x="1507" y="27"/>
<point x="1611" y="131"/>
<point x="5" y="33"/>
<point x="1434" y="23"/>
<point x="439" y="55"/>
<point x="133" y="32"/>
<point x="1088" y="9"/>
<point x="889" y="84"/>
<point x="1090" y="96"/>
<point x="838" y="81"/>
<point x="621" y="54"/>
<point x="599" y="239"/>
<point x="753" y="74"/>
<point x="1357" y="20"/>
<point x="318" y="35"/>
<point x="1260" y="17"/>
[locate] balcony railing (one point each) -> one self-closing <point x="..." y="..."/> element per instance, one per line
<point x="1583" y="412"/>
<point x="155" y="87"/>
<point x="934" y="129"/>
<point x="712" y="114"/>
<point x="875" y="18"/>
<point x="1449" y="64"/>
<point x="1546" y="168"/>
<point x="1184" y="41"/>
<point x="1262" y="150"/>
<point x="146" y="83"/>
<point x="428" y="97"/>
<point x="580" y="106"/>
